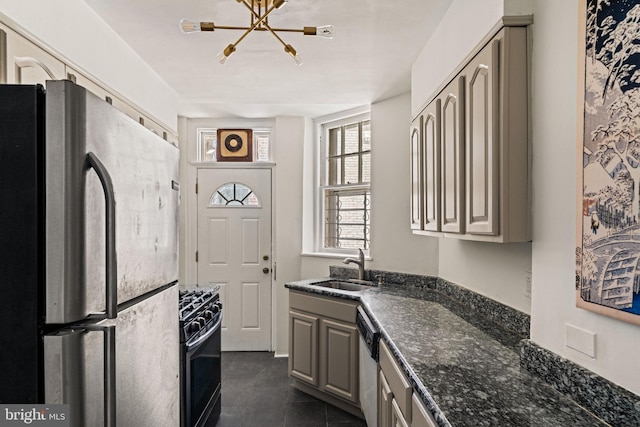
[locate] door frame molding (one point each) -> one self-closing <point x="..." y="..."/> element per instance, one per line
<point x="190" y="224"/>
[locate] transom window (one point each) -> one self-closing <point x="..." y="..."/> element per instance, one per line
<point x="234" y="194"/>
<point x="345" y="186"/>
<point x="207" y="144"/>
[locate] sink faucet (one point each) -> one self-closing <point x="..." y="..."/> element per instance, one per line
<point x="359" y="261"/>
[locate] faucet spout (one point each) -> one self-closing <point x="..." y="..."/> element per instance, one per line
<point x="359" y="262"/>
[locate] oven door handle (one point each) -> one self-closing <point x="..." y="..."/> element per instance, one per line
<point x="194" y="345"/>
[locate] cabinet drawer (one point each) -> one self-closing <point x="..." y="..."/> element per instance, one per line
<point x="399" y="385"/>
<point x="421" y="416"/>
<point x="325" y="306"/>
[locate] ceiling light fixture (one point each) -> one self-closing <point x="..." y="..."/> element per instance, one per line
<point x="260" y="10"/>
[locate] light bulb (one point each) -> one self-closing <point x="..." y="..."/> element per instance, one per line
<point x="291" y="51"/>
<point x="226" y="53"/>
<point x="279" y="3"/>
<point x="325" y="31"/>
<point x="187" y="26"/>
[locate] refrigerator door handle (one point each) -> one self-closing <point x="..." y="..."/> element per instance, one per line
<point x="65" y="371"/>
<point x="109" y="373"/>
<point x="110" y="214"/>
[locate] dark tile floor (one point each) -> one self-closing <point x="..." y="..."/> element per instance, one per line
<point x="256" y="391"/>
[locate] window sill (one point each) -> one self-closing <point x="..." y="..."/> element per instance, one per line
<point x="332" y="255"/>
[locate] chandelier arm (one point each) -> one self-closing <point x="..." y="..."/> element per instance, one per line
<point x="255" y="24"/>
<point x="272" y="31"/>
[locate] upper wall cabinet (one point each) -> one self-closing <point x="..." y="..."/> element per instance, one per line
<point x="416" y="174"/>
<point x="26" y="63"/>
<point x="481" y="147"/>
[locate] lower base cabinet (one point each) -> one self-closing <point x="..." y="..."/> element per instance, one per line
<point x="398" y="406"/>
<point x="323" y="347"/>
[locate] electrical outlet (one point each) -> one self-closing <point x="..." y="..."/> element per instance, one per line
<point x="527" y="284"/>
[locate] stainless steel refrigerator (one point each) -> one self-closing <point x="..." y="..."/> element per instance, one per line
<point x="89" y="259"/>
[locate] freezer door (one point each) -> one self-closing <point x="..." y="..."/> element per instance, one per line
<point x="146" y="366"/>
<point x="143" y="171"/>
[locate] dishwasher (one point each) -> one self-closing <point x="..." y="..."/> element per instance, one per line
<point x="368" y="358"/>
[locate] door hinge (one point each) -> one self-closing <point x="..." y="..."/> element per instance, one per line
<point x="196" y="188"/>
<point x="196" y="256"/>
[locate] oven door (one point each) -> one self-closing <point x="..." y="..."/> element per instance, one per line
<point x="202" y="379"/>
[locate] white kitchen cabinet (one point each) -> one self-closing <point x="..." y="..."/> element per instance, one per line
<point x="26" y="63"/>
<point x="431" y="166"/>
<point x="496" y="139"/>
<point x="303" y="347"/>
<point x="416" y="174"/>
<point x="339" y="359"/>
<point x="476" y="131"/>
<point x="385" y="396"/>
<point x="420" y="416"/>
<point x="397" y="418"/>
<point x="323" y="348"/>
<point x="452" y="157"/>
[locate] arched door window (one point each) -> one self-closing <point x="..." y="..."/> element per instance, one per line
<point x="234" y="194"/>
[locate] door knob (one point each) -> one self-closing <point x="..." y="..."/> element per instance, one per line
<point x="265" y="270"/>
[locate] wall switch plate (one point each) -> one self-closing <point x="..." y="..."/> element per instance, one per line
<point x="580" y="340"/>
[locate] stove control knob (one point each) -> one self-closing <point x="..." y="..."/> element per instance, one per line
<point x="194" y="326"/>
<point x="208" y="314"/>
<point x="201" y="320"/>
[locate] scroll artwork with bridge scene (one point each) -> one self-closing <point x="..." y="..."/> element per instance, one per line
<point x="608" y="225"/>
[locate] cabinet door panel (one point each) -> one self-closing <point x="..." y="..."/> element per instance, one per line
<point x="482" y="143"/>
<point x="416" y="176"/>
<point x="339" y="359"/>
<point x="431" y="166"/>
<point x="452" y="122"/>
<point x="303" y="347"/>
<point x="397" y="419"/>
<point x="384" y="401"/>
<point x="28" y="64"/>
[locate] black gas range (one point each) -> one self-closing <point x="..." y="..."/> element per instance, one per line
<point x="200" y="357"/>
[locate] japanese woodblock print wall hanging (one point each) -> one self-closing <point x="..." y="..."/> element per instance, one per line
<point x="608" y="226"/>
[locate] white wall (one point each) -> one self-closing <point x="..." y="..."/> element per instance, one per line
<point x="465" y="23"/>
<point x="554" y="201"/>
<point x="73" y="29"/>
<point x="291" y="133"/>
<point x="393" y="246"/>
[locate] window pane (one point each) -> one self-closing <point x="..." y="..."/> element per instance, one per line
<point x="366" y="167"/>
<point x="347" y="222"/>
<point x="233" y="194"/>
<point x="351" y="170"/>
<point x="335" y="141"/>
<point x="351" y="138"/>
<point x="207" y="146"/>
<point x="335" y="171"/>
<point x="262" y="148"/>
<point x="366" y="136"/>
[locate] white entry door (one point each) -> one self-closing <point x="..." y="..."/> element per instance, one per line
<point x="234" y="251"/>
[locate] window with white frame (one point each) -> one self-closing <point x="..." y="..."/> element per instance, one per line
<point x="345" y="190"/>
<point x="207" y="144"/>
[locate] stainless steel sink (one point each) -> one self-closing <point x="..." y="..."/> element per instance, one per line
<point x="344" y="285"/>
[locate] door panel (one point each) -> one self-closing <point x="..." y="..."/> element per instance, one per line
<point x="431" y="166"/>
<point x="453" y="157"/>
<point x="233" y="241"/>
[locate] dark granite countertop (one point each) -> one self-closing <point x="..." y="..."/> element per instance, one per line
<point x="464" y="367"/>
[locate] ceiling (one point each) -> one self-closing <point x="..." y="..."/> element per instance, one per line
<point x="369" y="58"/>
